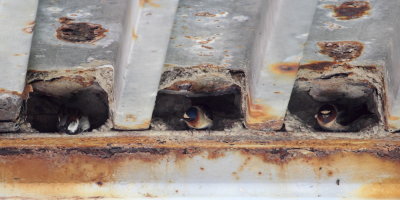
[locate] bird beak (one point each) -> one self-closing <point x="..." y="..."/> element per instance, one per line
<point x="185" y="116"/>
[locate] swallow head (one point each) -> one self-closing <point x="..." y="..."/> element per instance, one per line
<point x="197" y="118"/>
<point x="191" y="114"/>
<point x="327" y="114"/>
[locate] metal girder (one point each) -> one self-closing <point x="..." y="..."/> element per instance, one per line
<point x="17" y="19"/>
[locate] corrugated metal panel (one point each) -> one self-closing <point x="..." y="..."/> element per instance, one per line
<point x="139" y="64"/>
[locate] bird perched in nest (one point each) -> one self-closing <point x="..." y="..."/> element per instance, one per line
<point x="198" y="117"/>
<point x="332" y="117"/>
<point x="72" y="122"/>
<point x="327" y="118"/>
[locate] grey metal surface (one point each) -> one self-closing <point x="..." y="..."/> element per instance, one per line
<point x="213" y="32"/>
<point x="17" y="19"/>
<point x="141" y="64"/>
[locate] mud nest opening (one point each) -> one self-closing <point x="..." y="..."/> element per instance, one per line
<point x="44" y="110"/>
<point x="356" y="103"/>
<point x="226" y="110"/>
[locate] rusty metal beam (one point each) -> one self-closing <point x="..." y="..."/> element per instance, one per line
<point x="107" y="166"/>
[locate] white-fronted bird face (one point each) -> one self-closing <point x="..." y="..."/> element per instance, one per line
<point x="197" y="118"/>
<point x="326" y="114"/>
<point x="327" y="118"/>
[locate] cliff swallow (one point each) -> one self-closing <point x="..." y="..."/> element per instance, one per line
<point x="327" y="118"/>
<point x="72" y="122"/>
<point x="197" y="117"/>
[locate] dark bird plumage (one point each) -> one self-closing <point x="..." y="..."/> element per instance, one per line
<point x="71" y="121"/>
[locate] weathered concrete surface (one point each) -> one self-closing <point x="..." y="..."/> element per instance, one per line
<point x="16" y="24"/>
<point x="176" y="165"/>
<point x="141" y="62"/>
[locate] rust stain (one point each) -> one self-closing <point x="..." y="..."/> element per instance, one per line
<point x="288" y="69"/>
<point x="130" y="118"/>
<point x="341" y="51"/>
<point x="10" y="92"/>
<point x="318" y="66"/>
<point x="28" y="30"/>
<point x="148" y="195"/>
<point x="205" y="14"/>
<point x="388" y="188"/>
<point x="143" y="126"/>
<point x="142" y="3"/>
<point x="19" y="54"/>
<point x="134" y="35"/>
<point x="27" y="90"/>
<point x="394" y="118"/>
<point x="215" y="154"/>
<point x="203" y="85"/>
<point x="258" y="116"/>
<point x="350" y="10"/>
<point x="47" y="168"/>
<point x="81" y="32"/>
<point x="29" y="27"/>
<point x="206" y="47"/>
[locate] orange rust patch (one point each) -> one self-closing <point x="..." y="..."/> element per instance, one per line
<point x="330" y="173"/>
<point x="19" y="54"/>
<point x="28" y="89"/>
<point x="386" y="189"/>
<point x="341" y="51"/>
<point x="130" y="118"/>
<point x="10" y="92"/>
<point x="47" y="168"/>
<point x="258" y="116"/>
<point x="142" y="3"/>
<point x="287" y="69"/>
<point x="394" y="118"/>
<point x="350" y="10"/>
<point x="213" y="155"/>
<point x="205" y="14"/>
<point x="134" y="35"/>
